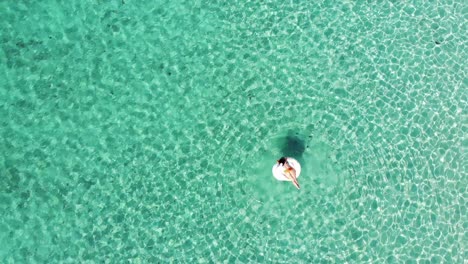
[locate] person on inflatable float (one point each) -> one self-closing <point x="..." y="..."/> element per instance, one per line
<point x="289" y="171"/>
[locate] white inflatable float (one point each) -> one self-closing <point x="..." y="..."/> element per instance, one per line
<point x="278" y="170"/>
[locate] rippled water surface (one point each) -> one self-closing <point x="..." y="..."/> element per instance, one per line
<point x="145" y="131"/>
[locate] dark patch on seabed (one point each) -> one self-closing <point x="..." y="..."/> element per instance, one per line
<point x="293" y="145"/>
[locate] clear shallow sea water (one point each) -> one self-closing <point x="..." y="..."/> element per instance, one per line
<point x="145" y="131"/>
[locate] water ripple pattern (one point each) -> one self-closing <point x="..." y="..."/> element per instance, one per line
<point x="145" y="131"/>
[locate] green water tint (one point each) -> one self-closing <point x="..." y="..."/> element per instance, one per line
<point x="142" y="132"/>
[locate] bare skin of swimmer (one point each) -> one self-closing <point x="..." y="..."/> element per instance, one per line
<point x="289" y="171"/>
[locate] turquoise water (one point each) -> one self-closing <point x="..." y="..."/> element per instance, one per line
<point x="145" y="131"/>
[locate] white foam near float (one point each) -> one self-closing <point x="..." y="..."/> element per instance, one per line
<point x="278" y="169"/>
